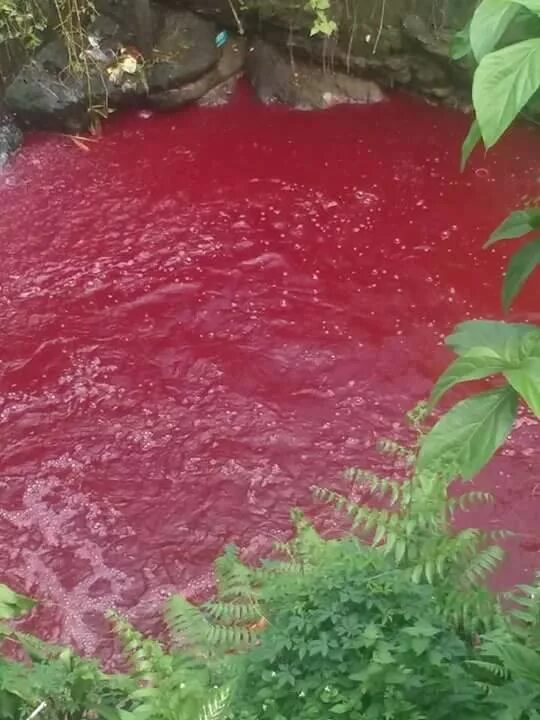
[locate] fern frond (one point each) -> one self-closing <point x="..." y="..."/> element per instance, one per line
<point x="518" y="660"/>
<point x="525" y="614"/>
<point x="231" y="613"/>
<point x="36" y="649"/>
<point x="235" y="580"/>
<point x="306" y="543"/>
<point x="282" y="567"/>
<point x="390" y="447"/>
<point x="378" y="486"/>
<point x="467" y="500"/>
<point x="483" y="564"/>
<point x="364" y="517"/>
<point x="229" y="637"/>
<point x="216" y="706"/>
<point x="498" y="535"/>
<point x="187" y="623"/>
<point x="144" y="654"/>
<point x="473" y="610"/>
<point x="496" y="671"/>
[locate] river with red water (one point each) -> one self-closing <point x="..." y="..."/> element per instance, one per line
<point x="210" y="311"/>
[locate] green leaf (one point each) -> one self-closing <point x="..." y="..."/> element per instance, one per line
<point x="371" y="634"/>
<point x="417" y="574"/>
<point x="490" y="20"/>
<point x="495" y="335"/>
<point x="521" y="265"/>
<point x="380" y="532"/>
<point x="471" y="431"/>
<point x="13" y="605"/>
<point x="420" y="645"/>
<point x="460" y="44"/>
<point x="422" y="628"/>
<point x="401" y="547"/>
<point x="475" y="364"/>
<point x="471" y="141"/>
<point x="518" y="223"/>
<point x="526" y="380"/>
<point x="532" y="5"/>
<point x="340" y="708"/>
<point x="107" y="712"/>
<point x="523" y="662"/>
<point x="503" y="83"/>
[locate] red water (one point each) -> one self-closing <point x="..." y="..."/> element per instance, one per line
<point x="210" y="311"/>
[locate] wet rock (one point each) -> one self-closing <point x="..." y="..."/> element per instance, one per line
<point x="45" y="94"/>
<point x="387" y="49"/>
<point x="219" y="95"/>
<point x="164" y="54"/>
<point x="212" y="88"/>
<point x="139" y="20"/>
<point x="184" y="51"/>
<point x="219" y="10"/>
<point x="436" y="44"/>
<point x="302" y="85"/>
<point x="10" y="137"/>
<point x="40" y="98"/>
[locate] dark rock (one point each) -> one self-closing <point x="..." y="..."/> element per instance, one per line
<point x="219" y="95"/>
<point x="123" y="14"/>
<point x="229" y="66"/>
<point x="441" y="92"/>
<point x="40" y="98"/>
<point x="428" y="73"/>
<point x="45" y="94"/>
<point x="302" y="85"/>
<point x="383" y="42"/>
<point x="218" y="10"/>
<point x="417" y="28"/>
<point x="145" y="32"/>
<point x="184" y="51"/>
<point x="10" y="137"/>
<point x="12" y="57"/>
<point x="176" y="59"/>
<point x="107" y="36"/>
<point x="435" y="44"/>
<point x="53" y="57"/>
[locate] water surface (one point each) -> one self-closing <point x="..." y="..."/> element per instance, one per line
<point x="210" y="311"/>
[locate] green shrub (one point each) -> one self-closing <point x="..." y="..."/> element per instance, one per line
<point x="22" y="20"/>
<point x="351" y="635"/>
<point x="392" y="620"/>
<point x="65" y="685"/>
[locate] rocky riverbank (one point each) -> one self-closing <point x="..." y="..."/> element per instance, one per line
<point x="164" y="55"/>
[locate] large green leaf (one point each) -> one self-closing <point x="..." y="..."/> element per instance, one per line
<point x="460" y="45"/>
<point x="490" y="20"/>
<point x="13" y="605"/>
<point x="532" y="5"/>
<point x="475" y="364"/>
<point x="518" y="223"/>
<point x="508" y="340"/>
<point x="471" y="141"/>
<point x="526" y="380"/>
<point x="503" y="83"/>
<point x="521" y="661"/>
<point x="471" y="431"/>
<point x="521" y="265"/>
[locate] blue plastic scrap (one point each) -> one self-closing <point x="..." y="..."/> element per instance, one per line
<point x="221" y="38"/>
